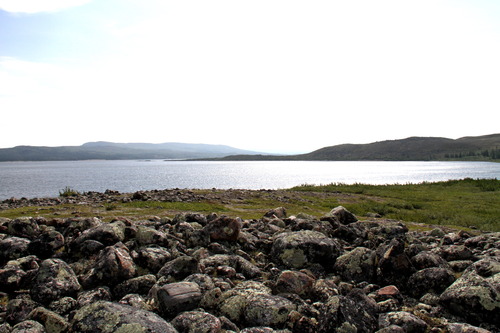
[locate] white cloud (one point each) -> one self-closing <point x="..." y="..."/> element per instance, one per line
<point x="36" y="6"/>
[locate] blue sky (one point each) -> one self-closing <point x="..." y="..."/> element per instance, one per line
<point x="277" y="76"/>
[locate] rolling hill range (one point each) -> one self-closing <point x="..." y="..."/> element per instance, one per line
<point x="479" y="148"/>
<point x="118" y="151"/>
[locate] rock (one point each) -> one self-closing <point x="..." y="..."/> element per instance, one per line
<point x="433" y="279"/>
<point x="108" y="317"/>
<point x="279" y="213"/>
<point x="473" y="297"/>
<point x="456" y="252"/>
<point x="63" y="306"/>
<point x="112" y="266"/>
<point x="153" y="258"/>
<point x="294" y="282"/>
<point x="174" y="298"/>
<point x="55" y="279"/>
<point x="137" y="301"/>
<point x="465" y="328"/>
<point x="357" y="265"/>
<point x="409" y="322"/>
<point x="13" y="248"/>
<point x="106" y="233"/>
<point x="139" y="285"/>
<point x="300" y="249"/>
<point x="11" y="278"/>
<point x="179" y="268"/>
<point x="223" y="229"/>
<point x="197" y="322"/>
<point x="267" y="310"/>
<point x="343" y="215"/>
<point x="45" y="245"/>
<point x="149" y="236"/>
<point x="28" y="326"/>
<point x="23" y="227"/>
<point x="52" y="322"/>
<point x="342" y="314"/>
<point x="394" y="266"/>
<point x="91" y="296"/>
<point x="427" y="259"/>
<point x="241" y="265"/>
<point x="18" y="309"/>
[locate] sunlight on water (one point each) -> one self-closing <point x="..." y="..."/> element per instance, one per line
<point x="39" y="179"/>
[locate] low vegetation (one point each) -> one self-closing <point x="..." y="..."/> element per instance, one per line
<point x="467" y="203"/>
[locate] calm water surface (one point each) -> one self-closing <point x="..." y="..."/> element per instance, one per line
<point x="42" y="179"/>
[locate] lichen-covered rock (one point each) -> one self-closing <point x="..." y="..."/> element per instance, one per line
<point x="138" y="285"/>
<point x="46" y="244"/>
<point x="240" y="264"/>
<point x="224" y="228"/>
<point x="13" y="248"/>
<point x="25" y="227"/>
<point x="52" y="322"/>
<point x="300" y="249"/>
<point x="106" y="233"/>
<point x="18" y="309"/>
<point x="267" y="310"/>
<point x="196" y="322"/>
<point x="113" y="265"/>
<point x="91" y="296"/>
<point x="179" y="268"/>
<point x="408" y="321"/>
<point x="55" y="279"/>
<point x="153" y="258"/>
<point x="473" y="297"/>
<point x="342" y="314"/>
<point x="357" y="265"/>
<point x="11" y="278"/>
<point x="343" y="215"/>
<point x="149" y="236"/>
<point x="465" y="328"/>
<point x="427" y="259"/>
<point x="433" y="279"/>
<point x="28" y="326"/>
<point x="394" y="266"/>
<point x="108" y="317"/>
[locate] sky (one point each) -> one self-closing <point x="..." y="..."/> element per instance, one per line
<point x="279" y="76"/>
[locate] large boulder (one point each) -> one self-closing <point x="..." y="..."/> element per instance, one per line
<point x="108" y="317"/>
<point x="476" y="294"/>
<point x="394" y="266"/>
<point x="301" y="249"/>
<point x="432" y="279"/>
<point x="113" y="265"/>
<point x="54" y="279"/>
<point x="342" y="215"/>
<point x="357" y="265"/>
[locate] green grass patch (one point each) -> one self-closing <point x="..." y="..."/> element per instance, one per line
<point x="467" y="202"/>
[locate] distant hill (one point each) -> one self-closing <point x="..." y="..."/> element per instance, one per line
<point x="119" y="151"/>
<point x="479" y="148"/>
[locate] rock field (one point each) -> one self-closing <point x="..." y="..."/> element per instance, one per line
<point x="209" y="273"/>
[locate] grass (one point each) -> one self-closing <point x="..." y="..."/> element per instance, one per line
<point x="464" y="203"/>
<point x="459" y="203"/>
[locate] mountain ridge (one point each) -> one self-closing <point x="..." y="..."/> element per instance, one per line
<point x="483" y="148"/>
<point x="119" y="151"/>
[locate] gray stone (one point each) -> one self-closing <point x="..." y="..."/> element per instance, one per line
<point x="300" y="249"/>
<point x="55" y="279"/>
<point x="196" y="322"/>
<point x="108" y="317"/>
<point x="357" y="265"/>
<point x="409" y="322"/>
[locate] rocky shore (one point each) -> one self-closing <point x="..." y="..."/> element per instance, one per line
<point x="210" y="273"/>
